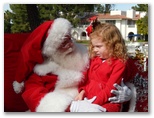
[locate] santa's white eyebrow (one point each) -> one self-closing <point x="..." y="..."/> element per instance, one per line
<point x="66" y="36"/>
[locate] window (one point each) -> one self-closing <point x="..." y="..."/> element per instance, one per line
<point x="110" y="21"/>
<point x="131" y="23"/>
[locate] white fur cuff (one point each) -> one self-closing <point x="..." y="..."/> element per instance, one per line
<point x="18" y="87"/>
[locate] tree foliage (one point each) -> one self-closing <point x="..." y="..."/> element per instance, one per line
<point x="19" y="18"/>
<point x="104" y="8"/>
<point x="7" y="24"/>
<point x="26" y="17"/>
<point x="141" y="7"/>
<point x="33" y="15"/>
<point x="142" y="24"/>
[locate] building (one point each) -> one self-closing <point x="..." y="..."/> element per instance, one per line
<point x="124" y="20"/>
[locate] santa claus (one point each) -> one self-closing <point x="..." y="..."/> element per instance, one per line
<point x="59" y="55"/>
<point x="69" y="62"/>
<point x="52" y="67"/>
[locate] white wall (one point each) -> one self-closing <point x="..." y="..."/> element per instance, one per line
<point x="118" y="12"/>
<point x="130" y="13"/>
<point x="121" y="25"/>
<point x="123" y="29"/>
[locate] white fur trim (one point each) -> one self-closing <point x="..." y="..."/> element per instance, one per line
<point x="57" y="101"/>
<point x="45" y="68"/>
<point x="18" y="87"/>
<point x="132" y="104"/>
<point x="57" y="31"/>
<point x="68" y="78"/>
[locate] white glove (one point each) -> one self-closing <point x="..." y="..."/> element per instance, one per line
<point x="86" y="106"/>
<point x="122" y="94"/>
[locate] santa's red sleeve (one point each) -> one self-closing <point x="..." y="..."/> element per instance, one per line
<point x="36" y="87"/>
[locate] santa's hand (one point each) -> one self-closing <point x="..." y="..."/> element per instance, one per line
<point x="122" y="94"/>
<point x="86" y="106"/>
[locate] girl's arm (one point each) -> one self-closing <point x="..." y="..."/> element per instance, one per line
<point x="115" y="77"/>
<point x="80" y="96"/>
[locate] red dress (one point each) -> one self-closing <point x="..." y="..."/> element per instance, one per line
<point x="101" y="77"/>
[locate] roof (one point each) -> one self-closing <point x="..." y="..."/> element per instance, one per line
<point x="111" y="17"/>
<point x="108" y="16"/>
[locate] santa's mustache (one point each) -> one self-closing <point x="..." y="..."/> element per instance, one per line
<point x="71" y="59"/>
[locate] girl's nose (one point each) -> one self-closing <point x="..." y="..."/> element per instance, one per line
<point x="95" y="49"/>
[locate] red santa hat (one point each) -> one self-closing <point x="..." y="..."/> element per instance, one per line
<point x="44" y="40"/>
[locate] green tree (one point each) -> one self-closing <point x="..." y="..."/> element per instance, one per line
<point x="104" y="8"/>
<point x="26" y="17"/>
<point x="70" y="11"/>
<point x="33" y="15"/>
<point x="108" y="8"/>
<point x="19" y="18"/>
<point x="7" y="24"/>
<point x="99" y="8"/>
<point x="141" y="7"/>
<point x="142" y="24"/>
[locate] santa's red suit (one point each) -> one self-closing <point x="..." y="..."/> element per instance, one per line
<point x="43" y="91"/>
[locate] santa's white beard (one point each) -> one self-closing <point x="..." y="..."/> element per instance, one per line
<point x="69" y="66"/>
<point x="74" y="58"/>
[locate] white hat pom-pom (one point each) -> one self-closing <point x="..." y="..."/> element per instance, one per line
<point x="18" y="87"/>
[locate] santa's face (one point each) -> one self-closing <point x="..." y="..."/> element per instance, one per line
<point x="66" y="45"/>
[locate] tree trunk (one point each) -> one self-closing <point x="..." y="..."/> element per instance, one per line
<point x="33" y="15"/>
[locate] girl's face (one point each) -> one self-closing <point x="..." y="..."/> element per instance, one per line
<point x="100" y="49"/>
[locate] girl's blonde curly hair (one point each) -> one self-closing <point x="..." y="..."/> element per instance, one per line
<point x="111" y="36"/>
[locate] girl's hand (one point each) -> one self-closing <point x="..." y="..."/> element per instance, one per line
<point x="80" y="96"/>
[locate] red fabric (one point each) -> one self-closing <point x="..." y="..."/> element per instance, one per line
<point x="134" y="67"/>
<point x="36" y="87"/>
<point x="14" y="103"/>
<point x="101" y="77"/>
<point x="12" y="46"/>
<point x="93" y="18"/>
<point x="139" y="78"/>
<point x="31" y="52"/>
<point x="110" y="107"/>
<point x="89" y="29"/>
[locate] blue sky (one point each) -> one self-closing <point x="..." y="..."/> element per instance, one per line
<point x="123" y="7"/>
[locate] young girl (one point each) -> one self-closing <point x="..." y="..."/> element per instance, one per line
<point x="107" y="65"/>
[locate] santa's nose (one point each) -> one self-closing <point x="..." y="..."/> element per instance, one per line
<point x="69" y="44"/>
